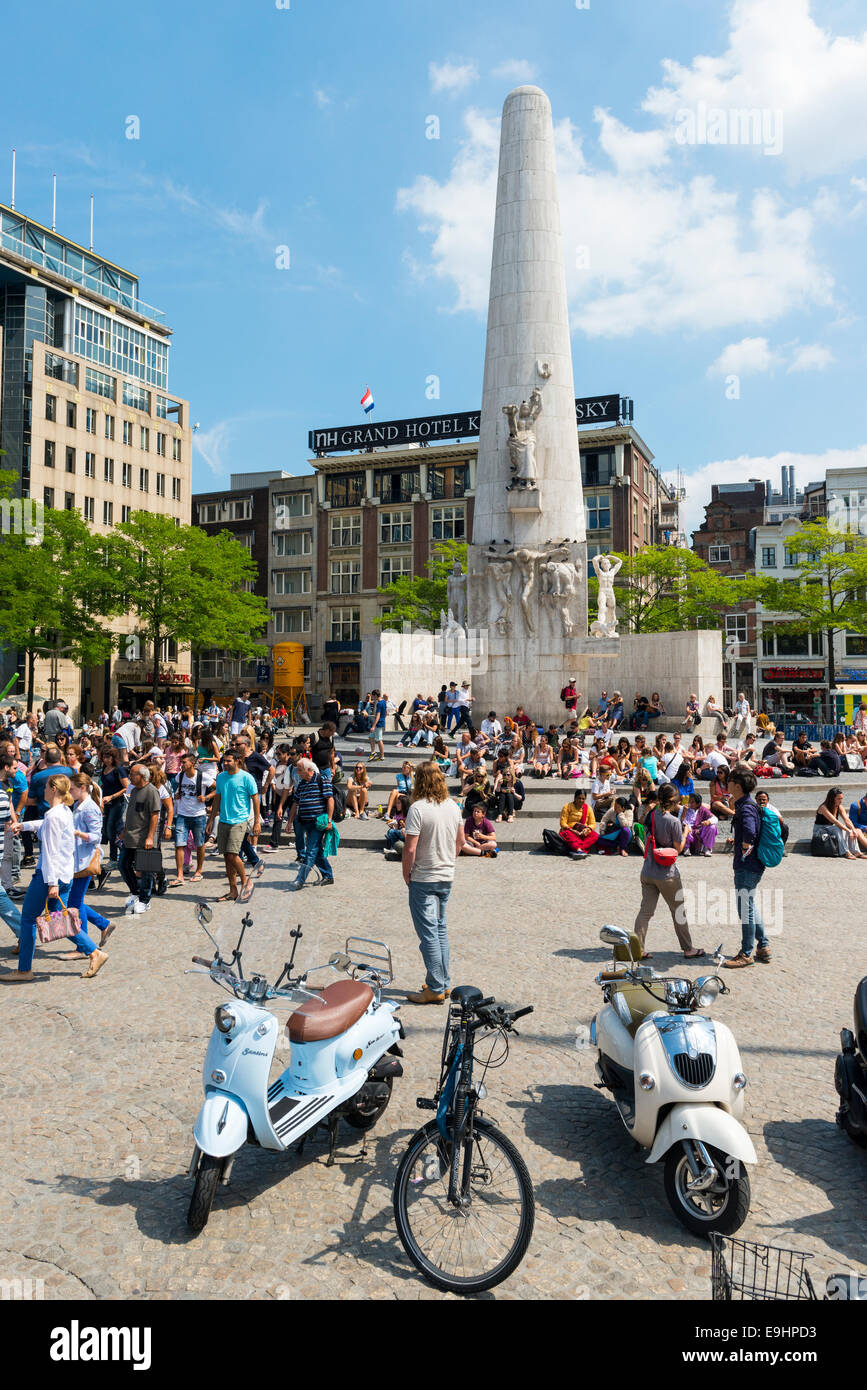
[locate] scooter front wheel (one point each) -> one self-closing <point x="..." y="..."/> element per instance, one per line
<point x="722" y="1207"/>
<point x="208" y="1177"/>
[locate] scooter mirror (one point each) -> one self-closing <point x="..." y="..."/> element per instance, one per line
<point x="614" y="936"/>
<point x="204" y="913"/>
<point x="339" y="961"/>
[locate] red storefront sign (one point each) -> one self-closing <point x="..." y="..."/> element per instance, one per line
<point x="797" y="674"/>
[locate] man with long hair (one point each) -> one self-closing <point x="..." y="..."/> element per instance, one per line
<point x="434" y="839"/>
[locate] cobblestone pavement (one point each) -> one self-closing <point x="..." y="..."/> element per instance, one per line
<point x="101" y="1085"/>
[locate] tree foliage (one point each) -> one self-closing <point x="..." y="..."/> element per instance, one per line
<point x="663" y="588"/>
<point x="827" y="591"/>
<point x="419" y="600"/>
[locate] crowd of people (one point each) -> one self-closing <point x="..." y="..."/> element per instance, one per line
<point x="105" y="800"/>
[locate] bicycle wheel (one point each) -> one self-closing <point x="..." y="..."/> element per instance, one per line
<point x="464" y="1249"/>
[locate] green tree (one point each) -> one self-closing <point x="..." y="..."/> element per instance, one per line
<point x="187" y="585"/>
<point x="421" y="599"/>
<point x="828" y="596"/>
<point x="58" y="594"/>
<point x="665" y="589"/>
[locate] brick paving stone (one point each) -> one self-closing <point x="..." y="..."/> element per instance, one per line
<point x="101" y="1098"/>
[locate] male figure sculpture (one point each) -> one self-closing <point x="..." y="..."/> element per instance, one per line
<point x="606" y="570"/>
<point x="456" y="589"/>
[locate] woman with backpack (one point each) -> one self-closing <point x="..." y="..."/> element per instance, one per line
<point x="748" y="868"/>
<point x="665" y="839"/>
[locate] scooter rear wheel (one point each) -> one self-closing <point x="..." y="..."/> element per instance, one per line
<point x="361" y="1114"/>
<point x="207" y="1180"/>
<point x="855" y="1133"/>
<point x="722" y="1208"/>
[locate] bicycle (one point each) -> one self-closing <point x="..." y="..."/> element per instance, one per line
<point x="463" y="1199"/>
<point x="745" y="1269"/>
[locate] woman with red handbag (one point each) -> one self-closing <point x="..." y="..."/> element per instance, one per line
<point x="660" y="878"/>
<point x="50" y="884"/>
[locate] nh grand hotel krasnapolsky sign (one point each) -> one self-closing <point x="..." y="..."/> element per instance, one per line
<point x="434" y="429"/>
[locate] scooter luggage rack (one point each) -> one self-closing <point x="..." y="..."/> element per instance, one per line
<point x="758" y="1272"/>
<point x="370" y="960"/>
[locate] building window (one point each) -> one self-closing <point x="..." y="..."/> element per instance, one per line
<point x="344" y="489"/>
<point x="176" y="450"/>
<point x="856" y="644"/>
<point x="126" y="478"/>
<point x="90" y="421"/>
<point x="736" y="627"/>
<point x="109" y="427"/>
<point x="289" y="504"/>
<point x="345" y="576"/>
<point x="49" y="453"/>
<point x="89" y="465"/>
<point x="291" y="619"/>
<point x="50" y="407"/>
<point x="70" y="460"/>
<point x="125" y="513"/>
<point x="291" y="581"/>
<point x="71" y="414"/>
<point x="769" y="557"/>
<point x="99" y="383"/>
<point x="238" y="509"/>
<point x="208" y="513"/>
<point x="92" y="335"/>
<point x="395" y="528"/>
<point x="108" y="513"/>
<point x="346" y="530"/>
<point x="396" y="486"/>
<point x="451" y="481"/>
<point x="143" y="480"/>
<point x="176" y="489"/>
<point x="392" y="567"/>
<point x="448" y="523"/>
<point x="61" y="369"/>
<point x="598" y="509"/>
<point x="597" y="467"/>
<point x="791" y="558"/>
<point x="345" y="624"/>
<point x="108" y="470"/>
<point x="246" y="539"/>
<point x="161" y="485"/>
<point x="646" y="527"/>
<point x="635" y="516"/>
<point x="69" y="501"/>
<point x="144" y="437"/>
<point x="719" y="554"/>
<point x="161" y="444"/>
<point x="48" y="496"/>
<point x="87" y="509"/>
<point x="287" y="544"/>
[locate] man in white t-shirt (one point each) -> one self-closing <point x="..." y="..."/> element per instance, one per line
<point x="434" y="839"/>
<point x="191" y="810"/>
<point x="492" y="728"/>
<point x="24" y="734"/>
<point x="130" y="733"/>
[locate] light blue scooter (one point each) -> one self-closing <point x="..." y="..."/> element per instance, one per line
<point x="343" y="1059"/>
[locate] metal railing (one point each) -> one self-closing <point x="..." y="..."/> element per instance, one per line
<point x="80" y="277"/>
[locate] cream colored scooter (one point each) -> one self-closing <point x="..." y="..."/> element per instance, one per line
<point x="677" y="1082"/>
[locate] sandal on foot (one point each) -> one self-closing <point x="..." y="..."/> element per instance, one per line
<point x="227" y="898"/>
<point x="97" y="961"/>
<point x="197" y="878"/>
<point x="175" y="883"/>
<point x="247" y="891"/>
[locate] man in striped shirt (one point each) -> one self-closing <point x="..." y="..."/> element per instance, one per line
<point x="313" y="798"/>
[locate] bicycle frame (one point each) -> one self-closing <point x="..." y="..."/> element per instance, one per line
<point x="456" y="1095"/>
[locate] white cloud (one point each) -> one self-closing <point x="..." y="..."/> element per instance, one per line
<point x="748" y="356"/>
<point x="812" y="357"/>
<point x="809" y="468"/>
<point x="663" y="255"/>
<point x="515" y="70"/>
<point x="630" y="151"/>
<point x="452" y="77"/>
<point x="213" y="445"/>
<point x="779" y="60"/>
<point x="322" y="98"/>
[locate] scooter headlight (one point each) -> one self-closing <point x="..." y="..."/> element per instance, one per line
<point x="224" y="1018"/>
<point x="646" y="1081"/>
<point x="706" y="990"/>
<point x="739" y="1081"/>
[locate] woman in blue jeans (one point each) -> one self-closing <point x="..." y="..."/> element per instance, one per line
<point x="87" y="824"/>
<point x="748" y="868"/>
<point x="52" y="880"/>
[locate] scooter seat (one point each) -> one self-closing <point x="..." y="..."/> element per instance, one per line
<point x="343" y="1004"/>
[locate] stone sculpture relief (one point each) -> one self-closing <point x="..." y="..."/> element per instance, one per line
<point x="606" y="621"/>
<point x="521" y="572"/>
<point x="522" y="440"/>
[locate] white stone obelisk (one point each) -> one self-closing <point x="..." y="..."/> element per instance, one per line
<point x="527" y="561"/>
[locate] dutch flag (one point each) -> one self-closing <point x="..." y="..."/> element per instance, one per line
<point x="367" y="400"/>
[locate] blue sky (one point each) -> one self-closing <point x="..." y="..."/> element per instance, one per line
<point x="689" y="265"/>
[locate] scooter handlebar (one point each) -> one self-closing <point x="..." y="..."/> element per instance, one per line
<point x="200" y="960"/>
<point x="612" y="975"/>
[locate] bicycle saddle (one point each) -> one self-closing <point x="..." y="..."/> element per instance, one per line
<point x="466" y="994"/>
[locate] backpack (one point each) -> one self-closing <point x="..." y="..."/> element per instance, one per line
<point x="826" y="846"/>
<point x="117" y="741"/>
<point x="770" y="848"/>
<point x="552" y="841"/>
<point x="339" y="794"/>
